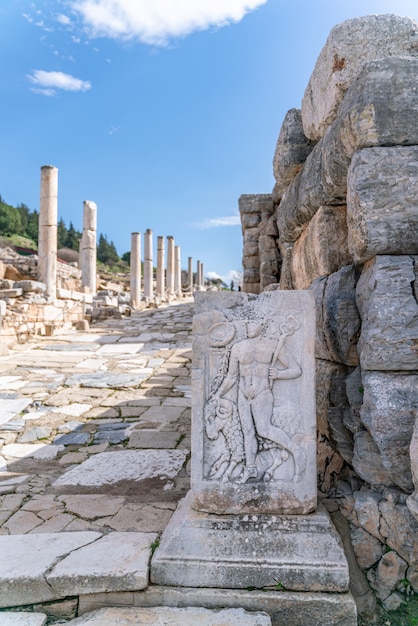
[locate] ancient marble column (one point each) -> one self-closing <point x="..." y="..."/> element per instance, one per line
<point x="160" y="267"/>
<point x="198" y="276"/>
<point x="48" y="217"/>
<point x="88" y="248"/>
<point x="177" y="271"/>
<point x="135" y="269"/>
<point x="190" y="275"/>
<point x="170" y="266"/>
<point x="148" y="269"/>
<point x="202" y="277"/>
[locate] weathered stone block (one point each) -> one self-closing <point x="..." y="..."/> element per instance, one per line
<point x="250" y="262"/>
<point x="354" y="391"/>
<point x="266" y="242"/>
<point x="251" y="275"/>
<point x="367" y="461"/>
<point x="368" y="549"/>
<point x="30" y="285"/>
<point x="331" y="401"/>
<point x="388" y="412"/>
<point x="254" y="203"/>
<point x="400" y="529"/>
<point x="379" y="109"/>
<point x="337" y="317"/>
<point x="254" y="426"/>
<point x="249" y="287"/>
<point x="322" y="248"/>
<point x="250" y="220"/>
<point x="292" y="148"/>
<point x="389" y="572"/>
<point x="382" y="202"/>
<point x="349" y="47"/>
<point x="387" y="301"/>
<point x="286" y="250"/>
<point x="251" y="235"/>
<point x="366" y="507"/>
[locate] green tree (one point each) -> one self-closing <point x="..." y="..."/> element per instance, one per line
<point x="73" y="238"/>
<point x="106" y="251"/>
<point x="32" y="227"/>
<point x="10" y="222"/>
<point x="62" y="234"/>
<point x="24" y="213"/>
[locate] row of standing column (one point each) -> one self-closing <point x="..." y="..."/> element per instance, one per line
<point x="168" y="283"/>
<point x="47" y="251"/>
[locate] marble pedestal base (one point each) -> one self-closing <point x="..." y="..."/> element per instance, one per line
<point x="292" y="552"/>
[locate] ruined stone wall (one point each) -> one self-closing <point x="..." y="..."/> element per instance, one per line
<point x="346" y="170"/>
<point x="25" y="309"/>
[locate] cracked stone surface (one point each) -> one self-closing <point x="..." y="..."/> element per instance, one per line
<point x="93" y="428"/>
<point x="172" y="616"/>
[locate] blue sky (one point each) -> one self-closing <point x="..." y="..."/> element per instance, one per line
<point x="162" y="112"/>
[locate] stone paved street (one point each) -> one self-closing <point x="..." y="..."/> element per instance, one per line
<point x="94" y="451"/>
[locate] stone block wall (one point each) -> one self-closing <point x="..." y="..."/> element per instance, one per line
<point x="261" y="258"/>
<point x="25" y="309"/>
<point x="346" y="210"/>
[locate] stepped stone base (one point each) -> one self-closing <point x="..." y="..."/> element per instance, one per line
<point x="292" y="552"/>
<point x="285" y="608"/>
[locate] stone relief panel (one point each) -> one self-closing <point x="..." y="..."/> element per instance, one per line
<point x="253" y="407"/>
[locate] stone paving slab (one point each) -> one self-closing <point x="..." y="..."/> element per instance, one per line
<point x="171" y="616"/>
<point x="116" y="562"/>
<point x="10" y="407"/>
<point x="113" y="467"/>
<point x="27" y="558"/>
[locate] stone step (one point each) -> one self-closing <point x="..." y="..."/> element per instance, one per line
<point x="170" y="616"/>
<point x="49" y="566"/>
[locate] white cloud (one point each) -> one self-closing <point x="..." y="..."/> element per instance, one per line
<point x="63" y="19"/>
<point x="232" y="276"/>
<point x="156" y="21"/>
<point x="48" y="82"/>
<point x="216" y="222"/>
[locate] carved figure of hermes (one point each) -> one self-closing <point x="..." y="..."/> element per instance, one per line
<point x="255" y="363"/>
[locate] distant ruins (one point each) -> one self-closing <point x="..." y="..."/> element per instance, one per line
<point x="342" y="222"/>
<point x="39" y="294"/>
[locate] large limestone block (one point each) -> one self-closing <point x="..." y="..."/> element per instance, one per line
<point x="322" y="248"/>
<point x="367" y="460"/>
<point x="337" y="316"/>
<point x="382" y="202"/>
<point x="388" y="412"/>
<point x="349" y="46"/>
<point x="292" y="148"/>
<point x="379" y="109"/>
<point x="387" y="300"/>
<point x="253" y="403"/>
